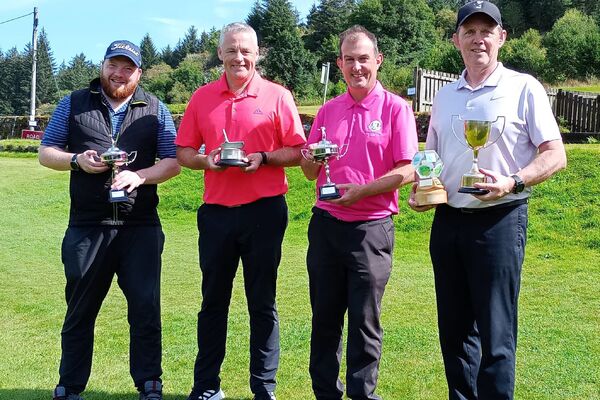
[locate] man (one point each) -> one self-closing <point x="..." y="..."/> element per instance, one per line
<point x="244" y="214"/>
<point x="478" y="241"/>
<point x="114" y="227"/>
<point x="351" y="239"/>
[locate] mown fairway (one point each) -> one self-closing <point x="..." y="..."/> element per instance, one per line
<point x="559" y="345"/>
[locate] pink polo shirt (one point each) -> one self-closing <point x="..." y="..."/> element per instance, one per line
<point x="373" y="136"/>
<point x="265" y="118"/>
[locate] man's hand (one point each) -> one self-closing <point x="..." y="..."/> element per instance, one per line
<point x="412" y="202"/>
<point x="351" y="193"/>
<point x="254" y="160"/>
<point x="89" y="161"/>
<point x="127" y="179"/>
<point x="499" y="187"/>
<point x="212" y="163"/>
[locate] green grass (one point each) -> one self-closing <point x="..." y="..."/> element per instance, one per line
<point x="309" y="110"/>
<point x="559" y="347"/>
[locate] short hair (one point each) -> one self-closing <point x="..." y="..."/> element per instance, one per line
<point x="235" y="27"/>
<point x="352" y="34"/>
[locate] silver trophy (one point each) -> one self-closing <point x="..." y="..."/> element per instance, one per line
<point x="321" y="152"/>
<point x="232" y="154"/>
<point x="115" y="158"/>
<point x="477" y="135"/>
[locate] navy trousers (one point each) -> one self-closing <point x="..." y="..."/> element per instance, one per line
<point x="477" y="258"/>
<point x="349" y="265"/>
<point x="92" y="256"/>
<point x="253" y="232"/>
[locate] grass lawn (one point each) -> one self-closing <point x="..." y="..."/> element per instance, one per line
<point x="309" y="110"/>
<point x="559" y="346"/>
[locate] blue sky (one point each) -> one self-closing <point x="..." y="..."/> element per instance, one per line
<point x="83" y="26"/>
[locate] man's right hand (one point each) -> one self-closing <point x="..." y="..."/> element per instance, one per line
<point x="89" y="161"/>
<point x="412" y="202"/>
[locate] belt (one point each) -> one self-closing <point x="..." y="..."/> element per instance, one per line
<point x="322" y="213"/>
<point x="513" y="203"/>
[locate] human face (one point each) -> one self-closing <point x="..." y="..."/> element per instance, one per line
<point x="478" y="40"/>
<point x="119" y="77"/>
<point x="238" y="52"/>
<point x="359" y="64"/>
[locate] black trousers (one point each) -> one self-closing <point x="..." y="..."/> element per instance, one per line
<point x="91" y="257"/>
<point x="349" y="264"/>
<point x="477" y="259"/>
<point x="253" y="232"/>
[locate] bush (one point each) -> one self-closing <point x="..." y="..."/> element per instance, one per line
<point x="525" y="54"/>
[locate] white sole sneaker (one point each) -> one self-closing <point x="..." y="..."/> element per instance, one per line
<point x="210" y="395"/>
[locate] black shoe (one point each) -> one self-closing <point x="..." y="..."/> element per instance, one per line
<point x="265" y="396"/>
<point x="152" y="391"/>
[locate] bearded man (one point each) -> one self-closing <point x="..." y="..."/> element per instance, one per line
<point x="109" y="136"/>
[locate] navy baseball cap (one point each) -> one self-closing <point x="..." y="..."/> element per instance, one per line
<point x="479" y="6"/>
<point x="124" y="48"/>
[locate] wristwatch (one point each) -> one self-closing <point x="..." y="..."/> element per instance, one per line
<point x="74" y="163"/>
<point x="519" y="184"/>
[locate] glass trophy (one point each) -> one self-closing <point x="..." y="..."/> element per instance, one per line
<point x="114" y="158"/>
<point x="428" y="166"/>
<point x="477" y="135"/>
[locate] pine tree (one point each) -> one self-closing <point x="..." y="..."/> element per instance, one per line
<point x="189" y="45"/>
<point x="46" y="87"/>
<point x="150" y="56"/>
<point x="78" y="74"/>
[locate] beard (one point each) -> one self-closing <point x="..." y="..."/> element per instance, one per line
<point x="120" y="93"/>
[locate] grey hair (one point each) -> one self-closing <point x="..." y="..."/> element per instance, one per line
<point x="236" y="27"/>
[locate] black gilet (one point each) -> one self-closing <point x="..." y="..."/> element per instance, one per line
<point x="90" y="128"/>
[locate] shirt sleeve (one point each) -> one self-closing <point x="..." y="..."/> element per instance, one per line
<point x="290" y="125"/>
<point x="57" y="131"/>
<point x="405" y="131"/>
<point x="189" y="134"/>
<point x="541" y="124"/>
<point x="166" y="133"/>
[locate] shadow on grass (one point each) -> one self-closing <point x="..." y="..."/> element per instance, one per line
<point x="37" y="394"/>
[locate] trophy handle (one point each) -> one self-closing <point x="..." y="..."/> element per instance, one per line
<point x="305" y="153"/>
<point x="133" y="156"/>
<point x="461" y="138"/>
<point x="501" y="131"/>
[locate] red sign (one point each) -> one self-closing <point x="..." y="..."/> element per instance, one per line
<point x="28" y="134"/>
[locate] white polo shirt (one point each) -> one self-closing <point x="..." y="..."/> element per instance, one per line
<point x="529" y="122"/>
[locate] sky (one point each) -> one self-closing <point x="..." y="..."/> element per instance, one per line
<point x="84" y="26"/>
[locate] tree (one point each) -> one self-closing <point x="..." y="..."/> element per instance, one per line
<point x="189" y="45"/>
<point x="209" y="42"/>
<point x="404" y="28"/>
<point x="15" y="69"/>
<point x="168" y="57"/>
<point x="573" y="47"/>
<point x="158" y="81"/>
<point x="150" y="56"/>
<point x="255" y="19"/>
<point x="78" y="74"/>
<point x="525" y="54"/>
<point x="46" y="84"/>
<point x="328" y="19"/>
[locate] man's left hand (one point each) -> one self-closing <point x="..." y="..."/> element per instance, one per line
<point x="127" y="179"/>
<point x="351" y="194"/>
<point x="255" y="161"/>
<point x="499" y="187"/>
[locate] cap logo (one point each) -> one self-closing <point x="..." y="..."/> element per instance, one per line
<point x="479" y="4"/>
<point x="125" y="46"/>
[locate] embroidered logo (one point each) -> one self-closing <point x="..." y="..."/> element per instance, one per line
<point x="479" y="4"/>
<point x="375" y="126"/>
<point x="258" y="111"/>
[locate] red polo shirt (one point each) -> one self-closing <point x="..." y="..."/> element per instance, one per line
<point x="264" y="117"/>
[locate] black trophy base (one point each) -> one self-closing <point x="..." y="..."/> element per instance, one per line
<point x="117" y="195"/>
<point x="473" y="190"/>
<point x="329" y="192"/>
<point x="232" y="163"/>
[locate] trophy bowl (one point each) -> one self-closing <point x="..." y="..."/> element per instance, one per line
<point x="232" y="155"/>
<point x="323" y="150"/>
<point x="115" y="157"/>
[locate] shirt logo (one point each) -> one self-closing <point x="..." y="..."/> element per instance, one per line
<point x="258" y="111"/>
<point x="375" y="126"/>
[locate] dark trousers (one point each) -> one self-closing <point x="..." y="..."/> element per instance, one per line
<point x="253" y="232"/>
<point x="477" y="259"/>
<point x="349" y="264"/>
<point x="92" y="256"/>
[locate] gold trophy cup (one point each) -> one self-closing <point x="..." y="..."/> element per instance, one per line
<point x="476" y="136"/>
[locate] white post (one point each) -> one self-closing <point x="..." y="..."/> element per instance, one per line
<point x="325" y="79"/>
<point x="32" y="122"/>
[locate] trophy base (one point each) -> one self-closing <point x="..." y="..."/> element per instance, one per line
<point x="431" y="197"/>
<point x="329" y="192"/>
<point x="472" y="190"/>
<point x="232" y="163"/>
<point x="117" y="196"/>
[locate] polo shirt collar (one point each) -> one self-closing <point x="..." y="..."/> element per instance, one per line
<point x="368" y="101"/>
<point x="491" y="80"/>
<point x="252" y="88"/>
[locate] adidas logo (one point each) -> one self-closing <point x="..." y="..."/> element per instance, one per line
<point x="258" y="111"/>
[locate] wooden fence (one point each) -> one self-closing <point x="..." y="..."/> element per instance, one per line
<point x="578" y="111"/>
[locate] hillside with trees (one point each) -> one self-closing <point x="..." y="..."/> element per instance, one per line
<point x="554" y="40"/>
